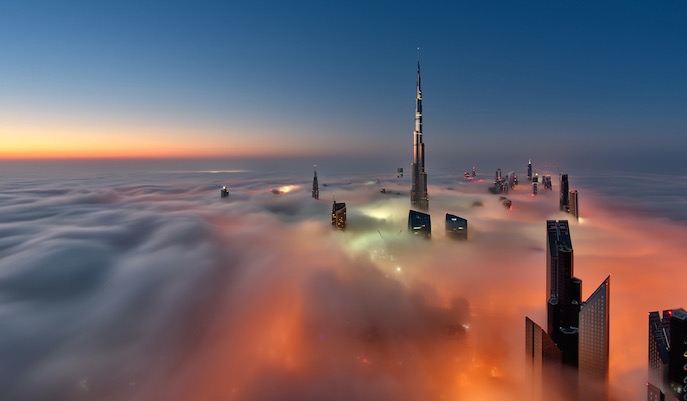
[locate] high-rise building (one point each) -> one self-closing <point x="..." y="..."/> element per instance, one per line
<point x="574" y="204"/>
<point x="677" y="367"/>
<point x="315" y="185"/>
<point x="594" y="338"/>
<point x="579" y="331"/>
<point x="529" y="170"/>
<point x="565" y="200"/>
<point x="542" y="355"/>
<point x="456" y="227"/>
<point x="419" y="224"/>
<point x="562" y="289"/>
<point x="511" y="179"/>
<point x="418" y="193"/>
<point x="224" y="192"/>
<point x="338" y="215"/>
<point x="659" y="347"/>
<point x="667" y="356"/>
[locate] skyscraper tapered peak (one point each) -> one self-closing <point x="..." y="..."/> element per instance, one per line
<point x="418" y="193"/>
<point x="315" y="184"/>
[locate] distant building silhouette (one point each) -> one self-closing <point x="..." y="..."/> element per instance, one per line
<point x="419" y="224"/>
<point x="224" y="192"/>
<point x="574" y="204"/>
<point x="565" y="200"/>
<point x="529" y="170"/>
<point x="338" y="215"/>
<point x="456" y="227"/>
<point x="315" y="184"/>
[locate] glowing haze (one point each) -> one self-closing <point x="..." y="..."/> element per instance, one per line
<point x="152" y="287"/>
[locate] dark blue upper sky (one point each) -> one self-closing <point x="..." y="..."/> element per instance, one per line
<point x="594" y="78"/>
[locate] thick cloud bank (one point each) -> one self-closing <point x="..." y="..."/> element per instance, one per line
<point x="151" y="287"/>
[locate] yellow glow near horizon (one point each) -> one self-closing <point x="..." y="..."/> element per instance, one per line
<point x="23" y="141"/>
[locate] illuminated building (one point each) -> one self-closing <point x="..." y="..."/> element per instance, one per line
<point x="500" y="185"/>
<point x="543" y="358"/>
<point x="535" y="188"/>
<point x="456" y="227"/>
<point x="667" y="356"/>
<point x="565" y="201"/>
<point x="574" y="204"/>
<point x="546" y="180"/>
<point x="418" y="193"/>
<point x="419" y="224"/>
<point x="224" y="192"/>
<point x="471" y="176"/>
<point x="338" y="215"/>
<point x="315" y="185"/>
<point x="594" y="338"/>
<point x="399" y="172"/>
<point x="529" y="170"/>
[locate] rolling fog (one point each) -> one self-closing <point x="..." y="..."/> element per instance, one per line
<point x="150" y="287"/>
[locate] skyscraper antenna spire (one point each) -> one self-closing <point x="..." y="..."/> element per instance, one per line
<point x="418" y="192"/>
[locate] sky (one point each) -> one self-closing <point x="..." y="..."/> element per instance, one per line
<point x="334" y="79"/>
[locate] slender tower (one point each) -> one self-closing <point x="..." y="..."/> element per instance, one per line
<point x="315" y="185"/>
<point x="529" y="170"/>
<point x="418" y="193"/>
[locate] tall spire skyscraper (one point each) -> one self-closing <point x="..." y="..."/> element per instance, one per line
<point x="418" y="193"/>
<point x="315" y="185"/>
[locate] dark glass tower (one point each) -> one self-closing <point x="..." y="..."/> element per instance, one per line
<point x="418" y="192"/>
<point x="659" y="354"/>
<point x="677" y="367"/>
<point x="563" y="291"/>
<point x="419" y="224"/>
<point x="315" y="185"/>
<point x="594" y="341"/>
<point x="456" y="227"/>
<point x="565" y="200"/>
<point x="542" y="355"/>
<point x="338" y="215"/>
<point x="667" y="356"/>
<point x="529" y="170"/>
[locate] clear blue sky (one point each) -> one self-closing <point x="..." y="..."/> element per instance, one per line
<point x="302" y="77"/>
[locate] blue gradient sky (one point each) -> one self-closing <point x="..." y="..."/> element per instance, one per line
<point x="281" y="78"/>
